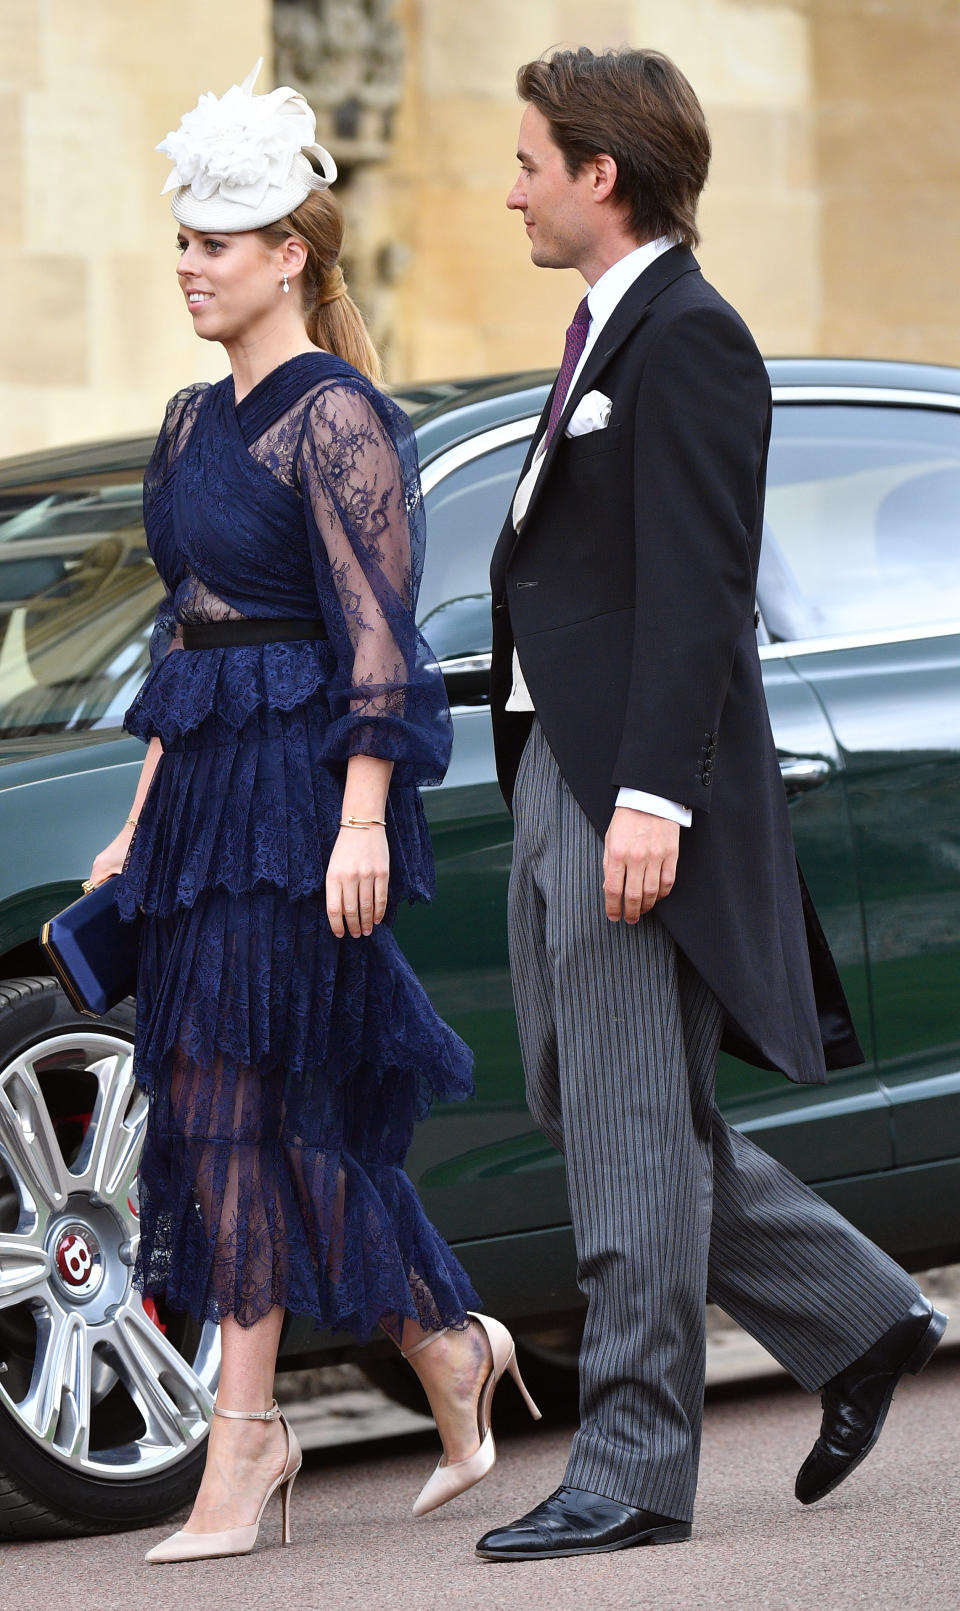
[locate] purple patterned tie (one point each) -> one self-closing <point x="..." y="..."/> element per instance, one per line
<point x="572" y="353"/>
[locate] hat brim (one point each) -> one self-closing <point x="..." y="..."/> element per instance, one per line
<point x="228" y="217"/>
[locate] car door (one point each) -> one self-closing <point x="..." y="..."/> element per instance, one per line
<point x="824" y="1134"/>
<point x="78" y="591"/>
<point x="821" y="1133"/>
<point x="485" y="1169"/>
<point x="865" y="501"/>
<point x="482" y="1168"/>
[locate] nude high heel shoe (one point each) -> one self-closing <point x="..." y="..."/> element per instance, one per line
<point x="238" y="1540"/>
<point x="455" y="1478"/>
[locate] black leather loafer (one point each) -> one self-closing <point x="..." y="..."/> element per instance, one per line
<point x="856" y="1402"/>
<point x="575" y="1522"/>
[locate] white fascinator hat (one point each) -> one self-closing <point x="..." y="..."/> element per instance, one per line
<point x="243" y="161"/>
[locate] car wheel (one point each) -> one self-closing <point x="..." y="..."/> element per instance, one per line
<point x="105" y="1401"/>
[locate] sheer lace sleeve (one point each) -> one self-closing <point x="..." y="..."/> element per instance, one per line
<point x="364" y="510"/>
<point x="174" y="432"/>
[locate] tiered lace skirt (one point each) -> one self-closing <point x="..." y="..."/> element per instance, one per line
<point x="285" y="1068"/>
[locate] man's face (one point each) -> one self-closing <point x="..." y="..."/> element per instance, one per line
<point x="556" y="209"/>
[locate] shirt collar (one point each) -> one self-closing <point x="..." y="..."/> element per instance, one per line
<point x="612" y="285"/>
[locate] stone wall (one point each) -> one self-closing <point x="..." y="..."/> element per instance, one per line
<point x="832" y="214"/>
<point x="95" y="334"/>
<point x="888" y="168"/>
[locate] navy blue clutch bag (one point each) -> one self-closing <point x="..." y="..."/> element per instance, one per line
<point x="94" y="953"/>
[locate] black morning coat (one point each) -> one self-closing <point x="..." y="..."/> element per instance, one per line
<point x="630" y="595"/>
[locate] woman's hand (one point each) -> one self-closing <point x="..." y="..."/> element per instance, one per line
<point x="357" y="878"/>
<point x="111" y="859"/>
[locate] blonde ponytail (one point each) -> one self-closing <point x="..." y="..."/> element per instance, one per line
<point x="331" y="316"/>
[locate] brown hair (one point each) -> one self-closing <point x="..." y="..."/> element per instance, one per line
<point x="332" y="317"/>
<point x="637" y="107"/>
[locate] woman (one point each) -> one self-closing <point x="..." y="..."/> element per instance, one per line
<point x="291" y="711"/>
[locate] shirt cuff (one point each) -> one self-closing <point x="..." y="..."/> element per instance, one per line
<point x="639" y="800"/>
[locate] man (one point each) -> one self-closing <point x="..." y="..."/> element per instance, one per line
<point x="655" y="908"/>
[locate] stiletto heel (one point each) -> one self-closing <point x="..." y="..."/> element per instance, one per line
<point x="514" y="1370"/>
<point x="237" y="1540"/>
<point x="455" y="1477"/>
<point x="286" y="1494"/>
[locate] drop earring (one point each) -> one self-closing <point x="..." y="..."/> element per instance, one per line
<point x="286" y="285"/>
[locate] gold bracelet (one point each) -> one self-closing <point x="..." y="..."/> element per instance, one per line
<point x="363" y="822"/>
<point x="132" y="822"/>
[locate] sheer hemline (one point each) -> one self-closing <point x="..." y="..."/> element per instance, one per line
<point x="455" y="1320"/>
<point x="357" y="1250"/>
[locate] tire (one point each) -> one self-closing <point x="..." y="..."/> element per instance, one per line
<point x="548" y="1365"/>
<point x="105" y="1403"/>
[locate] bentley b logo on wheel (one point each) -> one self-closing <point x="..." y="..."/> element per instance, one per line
<point x="79" y="1260"/>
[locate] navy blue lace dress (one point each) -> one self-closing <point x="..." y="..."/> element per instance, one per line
<point x="286" y="1068"/>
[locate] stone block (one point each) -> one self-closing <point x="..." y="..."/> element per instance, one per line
<point x="602" y="25"/>
<point x="741" y="54"/>
<point x="24" y="419"/>
<point x="21" y="44"/>
<point x="444" y="348"/>
<point x="471" y="265"/>
<point x="917" y="340"/>
<point x="762" y="147"/>
<point x="476" y="50"/>
<point x="867" y="54"/>
<point x="475" y="149"/>
<point x="11" y="169"/>
<point x="188" y="45"/>
<point x="913" y="139"/>
<point x="762" y="254"/>
<point x="888" y="254"/>
<point x="45" y="342"/>
<point x="144" y="334"/>
<point x="83" y="170"/>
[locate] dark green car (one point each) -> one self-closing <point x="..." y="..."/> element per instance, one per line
<point x="105" y="1400"/>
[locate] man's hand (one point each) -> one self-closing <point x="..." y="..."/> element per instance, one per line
<point x="639" y="862"/>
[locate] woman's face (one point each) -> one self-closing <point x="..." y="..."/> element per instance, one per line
<point x="232" y="284"/>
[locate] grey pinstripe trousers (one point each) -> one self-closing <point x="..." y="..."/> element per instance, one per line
<point x="670" y="1206"/>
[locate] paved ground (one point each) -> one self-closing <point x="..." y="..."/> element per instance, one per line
<point x="888" y="1540"/>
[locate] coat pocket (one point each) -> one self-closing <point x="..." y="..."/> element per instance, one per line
<point x="591" y="443"/>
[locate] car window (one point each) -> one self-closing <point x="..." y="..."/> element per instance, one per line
<point x="862" y="519"/>
<point x="465" y="512"/>
<point x="78" y="593"/>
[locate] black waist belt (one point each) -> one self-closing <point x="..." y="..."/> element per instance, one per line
<point x="226" y="634"/>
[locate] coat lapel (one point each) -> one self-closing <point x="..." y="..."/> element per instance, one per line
<point x="624" y="319"/>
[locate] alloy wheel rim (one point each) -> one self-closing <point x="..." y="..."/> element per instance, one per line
<point x="70" y="1261"/>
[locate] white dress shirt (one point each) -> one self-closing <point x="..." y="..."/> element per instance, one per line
<point x="602" y="299"/>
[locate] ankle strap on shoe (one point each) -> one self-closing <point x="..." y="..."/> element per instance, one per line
<point x="272" y="1414"/>
<point x="424" y="1342"/>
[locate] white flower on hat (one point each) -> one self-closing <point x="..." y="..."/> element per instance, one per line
<point x="239" y="147"/>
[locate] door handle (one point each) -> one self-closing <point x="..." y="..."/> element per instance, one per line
<point x="801" y="773"/>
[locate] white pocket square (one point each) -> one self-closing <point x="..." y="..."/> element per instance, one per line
<point x="591" y="414"/>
